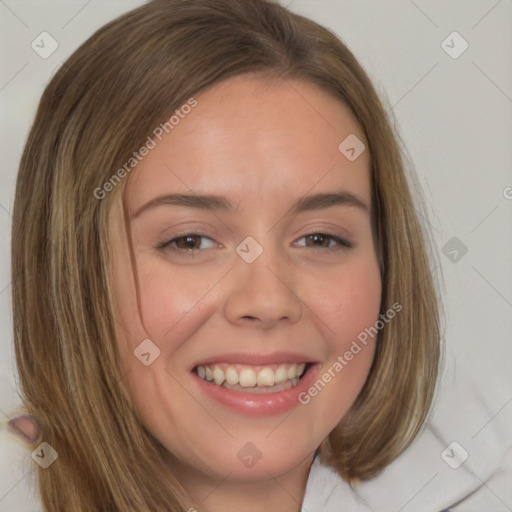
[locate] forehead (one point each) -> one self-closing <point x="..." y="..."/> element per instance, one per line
<point x="258" y="139"/>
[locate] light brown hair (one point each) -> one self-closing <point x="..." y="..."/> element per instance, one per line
<point x="102" y="104"/>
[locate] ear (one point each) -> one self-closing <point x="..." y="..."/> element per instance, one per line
<point x="26" y="427"/>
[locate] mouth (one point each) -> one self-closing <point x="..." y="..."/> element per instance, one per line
<point x="255" y="385"/>
<point x="269" y="378"/>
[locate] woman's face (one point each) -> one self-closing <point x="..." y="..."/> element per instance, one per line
<point x="243" y="271"/>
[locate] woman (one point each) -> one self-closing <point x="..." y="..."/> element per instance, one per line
<point x="302" y="339"/>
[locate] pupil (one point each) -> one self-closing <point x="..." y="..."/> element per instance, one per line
<point x="318" y="238"/>
<point x="190" y="241"/>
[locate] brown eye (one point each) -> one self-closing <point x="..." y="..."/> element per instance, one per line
<point x="187" y="242"/>
<point x="318" y="240"/>
<point x="325" y="241"/>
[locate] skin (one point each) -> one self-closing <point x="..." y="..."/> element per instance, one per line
<point x="262" y="144"/>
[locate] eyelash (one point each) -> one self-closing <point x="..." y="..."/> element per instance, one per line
<point x="343" y="244"/>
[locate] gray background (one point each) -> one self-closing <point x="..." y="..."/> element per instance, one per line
<point x="454" y="115"/>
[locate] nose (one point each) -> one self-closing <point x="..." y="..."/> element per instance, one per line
<point x="262" y="294"/>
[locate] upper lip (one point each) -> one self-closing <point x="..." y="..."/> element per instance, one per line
<point x="256" y="359"/>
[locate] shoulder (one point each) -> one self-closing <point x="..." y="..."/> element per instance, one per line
<point x="18" y="484"/>
<point x="462" y="460"/>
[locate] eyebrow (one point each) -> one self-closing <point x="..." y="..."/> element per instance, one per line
<point x="220" y="203"/>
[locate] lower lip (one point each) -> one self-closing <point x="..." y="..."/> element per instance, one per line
<point x="258" y="404"/>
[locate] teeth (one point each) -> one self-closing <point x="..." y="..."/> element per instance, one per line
<point x="218" y="375"/>
<point x="264" y="389"/>
<point x="231" y="375"/>
<point x="281" y="375"/>
<point x="247" y="378"/>
<point x="292" y="371"/>
<point x="264" y="378"/>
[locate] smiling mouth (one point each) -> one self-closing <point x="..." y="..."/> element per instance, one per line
<point x="253" y="379"/>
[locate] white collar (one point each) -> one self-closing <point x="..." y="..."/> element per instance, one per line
<point x="326" y="491"/>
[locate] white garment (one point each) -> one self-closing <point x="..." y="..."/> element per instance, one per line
<point x="327" y="492"/>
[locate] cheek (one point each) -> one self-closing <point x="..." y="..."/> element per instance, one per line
<point x="348" y="301"/>
<point x="174" y="300"/>
<point x="345" y="308"/>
